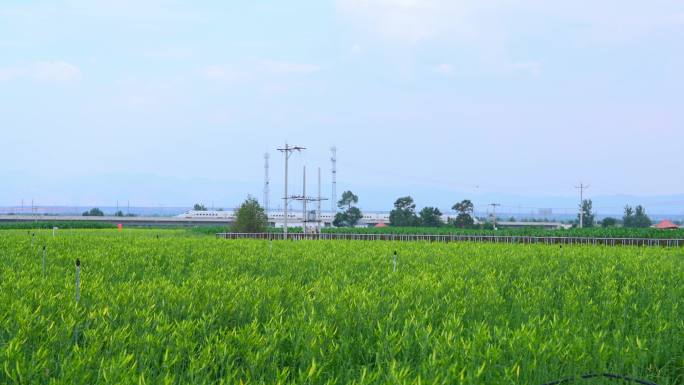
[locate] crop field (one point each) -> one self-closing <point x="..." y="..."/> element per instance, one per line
<point x="596" y="232"/>
<point x="165" y="307"/>
<point x="58" y="224"/>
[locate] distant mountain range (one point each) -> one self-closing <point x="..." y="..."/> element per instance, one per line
<point x="168" y="196"/>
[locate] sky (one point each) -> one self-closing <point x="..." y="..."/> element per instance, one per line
<point x="173" y="102"/>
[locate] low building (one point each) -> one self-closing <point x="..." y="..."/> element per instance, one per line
<point x="666" y="225"/>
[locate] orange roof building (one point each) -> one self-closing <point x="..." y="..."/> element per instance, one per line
<point x="379" y="225"/>
<point x="666" y="225"/>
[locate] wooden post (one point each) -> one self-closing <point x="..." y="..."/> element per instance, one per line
<point x="394" y="261"/>
<point x="78" y="280"/>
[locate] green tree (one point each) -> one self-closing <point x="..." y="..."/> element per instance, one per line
<point x="340" y="220"/>
<point x="404" y="213"/>
<point x="465" y="210"/>
<point x="636" y="217"/>
<point x="609" y="222"/>
<point x="250" y="217"/>
<point x="94" y="212"/>
<point x="348" y="200"/>
<point x="119" y="214"/>
<point x="628" y="217"/>
<point x="348" y="218"/>
<point x="352" y="215"/>
<point x="431" y="217"/>
<point x="586" y="208"/>
<point x="199" y="207"/>
<point x="640" y="217"/>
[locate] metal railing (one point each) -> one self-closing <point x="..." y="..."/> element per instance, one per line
<point x="513" y="239"/>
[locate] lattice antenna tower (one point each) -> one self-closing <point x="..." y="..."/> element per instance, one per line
<point x="267" y="184"/>
<point x="333" y="194"/>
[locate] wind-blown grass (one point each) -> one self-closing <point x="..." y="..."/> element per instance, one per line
<point x="189" y="310"/>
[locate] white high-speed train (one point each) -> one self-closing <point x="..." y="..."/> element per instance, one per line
<point x="296" y="217"/>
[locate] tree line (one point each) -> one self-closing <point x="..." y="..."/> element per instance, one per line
<point x="404" y="213"/>
<point x="633" y="217"/>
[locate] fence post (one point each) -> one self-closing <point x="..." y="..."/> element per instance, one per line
<point x="78" y="280"/>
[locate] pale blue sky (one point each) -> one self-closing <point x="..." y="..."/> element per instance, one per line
<point x="171" y="102"/>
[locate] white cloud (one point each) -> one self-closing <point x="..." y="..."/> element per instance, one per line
<point x="445" y="69"/>
<point x="678" y="18"/>
<point x="283" y="67"/>
<point x="55" y="71"/>
<point x="405" y="20"/>
<point x="475" y="21"/>
<point x="52" y="71"/>
<point x="222" y="73"/>
<point x="232" y="73"/>
<point x="531" y="67"/>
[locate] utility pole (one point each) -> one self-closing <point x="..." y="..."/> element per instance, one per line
<point x="304" y="216"/>
<point x="287" y="151"/>
<point x="581" y="187"/>
<point x="494" y="206"/>
<point x="305" y="199"/>
<point x="318" y="209"/>
<point x="267" y="182"/>
<point x="333" y="201"/>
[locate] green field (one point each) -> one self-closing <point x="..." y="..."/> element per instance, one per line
<point x="596" y="232"/>
<point x="58" y="224"/>
<point x="164" y="307"/>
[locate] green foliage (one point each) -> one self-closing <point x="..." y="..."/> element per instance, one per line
<point x="189" y="310"/>
<point x="208" y="230"/>
<point x="94" y="212"/>
<point x="199" y="207"/>
<point x="58" y="224"/>
<point x="596" y="232"/>
<point x="348" y="218"/>
<point x="431" y="217"/>
<point x="250" y="217"/>
<point x="348" y="200"/>
<point x="119" y="213"/>
<point x="609" y="222"/>
<point x="636" y="218"/>
<point x="464" y="218"/>
<point x="589" y="217"/>
<point x="404" y="213"/>
<point x="352" y="215"/>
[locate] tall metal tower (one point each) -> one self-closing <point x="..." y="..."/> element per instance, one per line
<point x="333" y="194"/>
<point x="287" y="151"/>
<point x="318" y="209"/>
<point x="267" y="184"/>
<point x="305" y="213"/>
